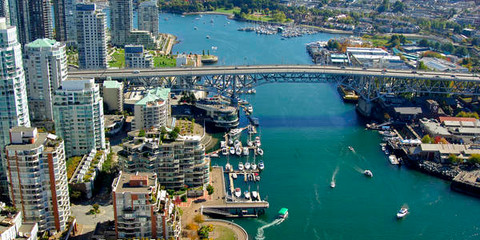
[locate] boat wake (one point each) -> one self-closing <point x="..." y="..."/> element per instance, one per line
<point x="260" y="230"/>
<point x="317" y="196"/>
<point x="335" y="174"/>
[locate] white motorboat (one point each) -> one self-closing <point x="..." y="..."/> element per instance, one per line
<point x="368" y="173"/>
<point x="351" y="148"/>
<point x="225" y="151"/>
<point x="222" y="144"/>
<point x="247" y="166"/>
<point x="247" y="194"/>
<point x="254" y="194"/>
<point x="250" y="109"/>
<point x="402" y="212"/>
<point x="235" y="132"/>
<point x="332" y="184"/>
<point x="230" y="142"/>
<point x="238" y="151"/>
<point x="254" y="166"/>
<point x="257" y="141"/>
<point x="240" y="166"/>
<point x="245" y="151"/>
<point x="257" y="178"/>
<point x="238" y="192"/>
<point x="250" y="143"/>
<point x="234" y="176"/>
<point x="261" y="165"/>
<point x="393" y="159"/>
<point x="228" y="167"/>
<point x="236" y="143"/>
<point x="260" y="151"/>
<point x="214" y="155"/>
<point x="251" y="129"/>
<point x="232" y="150"/>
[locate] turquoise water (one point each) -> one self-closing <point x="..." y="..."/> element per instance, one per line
<point x="306" y="130"/>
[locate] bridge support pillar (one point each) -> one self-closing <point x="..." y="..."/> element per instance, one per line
<point x="364" y="107"/>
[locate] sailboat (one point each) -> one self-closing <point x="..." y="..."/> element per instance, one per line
<point x="254" y="194"/>
<point x="228" y="167"/>
<point x="247" y="165"/>
<point x="261" y="166"/>
<point x="240" y="166"/>
<point x="254" y="165"/>
<point x="245" y="151"/>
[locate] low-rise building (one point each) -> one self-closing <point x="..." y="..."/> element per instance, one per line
<point x="453" y="129"/>
<point x="442" y="65"/>
<point x="113" y="95"/>
<point x="113" y="124"/>
<point x="12" y="227"/>
<point x="136" y="57"/>
<point x="218" y="112"/>
<point x="86" y="172"/>
<point x="144" y="38"/>
<point x="441" y="152"/>
<point x="142" y="210"/>
<point x="178" y="163"/>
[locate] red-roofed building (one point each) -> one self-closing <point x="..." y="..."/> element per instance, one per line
<point x="457" y="119"/>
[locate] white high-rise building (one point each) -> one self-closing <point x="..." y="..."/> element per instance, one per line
<point x="148" y="16"/>
<point x="121" y="18"/>
<point x="45" y="69"/>
<point x="137" y="57"/>
<point x="78" y="114"/>
<point x="91" y="37"/>
<point x="38" y="178"/>
<point x="13" y="93"/>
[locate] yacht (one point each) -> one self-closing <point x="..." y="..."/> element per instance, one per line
<point x="240" y="166"/>
<point x="368" y="173"/>
<point x="235" y="132"/>
<point x="228" y="167"/>
<point x="238" y="151"/>
<point x="261" y="166"/>
<point x="247" y="165"/>
<point x="254" y="194"/>
<point x="250" y="109"/>
<point x="224" y="151"/>
<point x="245" y="151"/>
<point x="402" y="212"/>
<point x="247" y="194"/>
<point x="214" y="155"/>
<point x="393" y="159"/>
<point x="257" y="141"/>
<point x="232" y="150"/>
<point x="260" y="151"/>
<point x="234" y="176"/>
<point x="238" y="192"/>
<point x="230" y="142"/>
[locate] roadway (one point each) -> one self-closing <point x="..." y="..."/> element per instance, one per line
<point x="272" y="69"/>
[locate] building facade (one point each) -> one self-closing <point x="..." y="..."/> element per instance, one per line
<point x="78" y="114"/>
<point x="121" y="18"/>
<point x="65" y="22"/>
<point x="148" y="16"/>
<point x="142" y="210"/>
<point x="32" y="18"/>
<point x="91" y="37"/>
<point x="177" y="163"/>
<point x="46" y="68"/>
<point x="38" y="178"/>
<point x="13" y="97"/>
<point x="152" y="110"/>
<point x="113" y="95"/>
<point x="136" y="57"/>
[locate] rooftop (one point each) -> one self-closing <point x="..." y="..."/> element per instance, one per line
<point x="154" y="95"/>
<point x="136" y="183"/>
<point x="112" y="84"/>
<point x="42" y="43"/>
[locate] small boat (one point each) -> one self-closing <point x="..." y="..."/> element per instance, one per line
<point x="225" y="151"/>
<point x="260" y="151"/>
<point x="245" y="151"/>
<point x="254" y="166"/>
<point x="211" y="20"/>
<point x="261" y="166"/>
<point x="222" y="144"/>
<point x="183" y="16"/>
<point x="250" y="177"/>
<point x="402" y="212"/>
<point x="351" y="148"/>
<point x="250" y="143"/>
<point x="332" y="184"/>
<point x="393" y="159"/>
<point x="235" y="132"/>
<point x="250" y="109"/>
<point x="195" y="28"/>
<point x="214" y="48"/>
<point x="368" y="173"/>
<point x="228" y="167"/>
<point x="238" y="151"/>
<point x="240" y="166"/>
<point x="254" y="194"/>
<point x="236" y="143"/>
<point x="247" y="166"/>
<point x="214" y="155"/>
<point x="230" y="142"/>
<point x="232" y="150"/>
<point x="247" y="194"/>
<point x="234" y="176"/>
<point x="283" y="213"/>
<point x="208" y="37"/>
<point x="251" y="130"/>
<point x="257" y="178"/>
<point x="238" y="192"/>
<point x="257" y="141"/>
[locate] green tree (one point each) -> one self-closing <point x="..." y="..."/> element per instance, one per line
<point x="422" y="66"/>
<point x="427" y="139"/>
<point x="210" y="189"/>
<point x="141" y="133"/>
<point x="474" y="158"/>
<point x="452" y="158"/>
<point x="398" y="6"/>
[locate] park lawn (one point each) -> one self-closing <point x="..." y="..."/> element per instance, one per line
<point x="118" y="59"/>
<point x="262" y="18"/>
<point x="223" y="233"/>
<point x="377" y="41"/>
<point x="164" y="61"/>
<point x="231" y="11"/>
